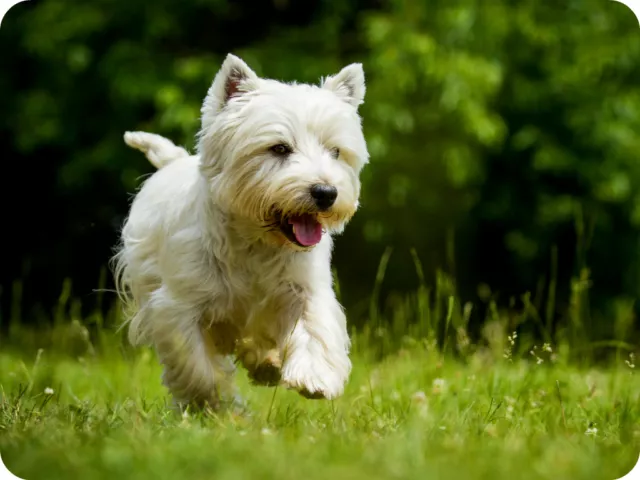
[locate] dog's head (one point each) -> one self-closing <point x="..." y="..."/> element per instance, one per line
<point x="285" y="158"/>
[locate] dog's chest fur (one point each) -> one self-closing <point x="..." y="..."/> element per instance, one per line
<point x="258" y="280"/>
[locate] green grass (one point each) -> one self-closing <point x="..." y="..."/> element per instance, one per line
<point x="413" y="414"/>
<point x="423" y="401"/>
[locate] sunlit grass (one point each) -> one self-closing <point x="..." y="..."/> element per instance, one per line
<point x="415" y="414"/>
<point x="424" y="401"/>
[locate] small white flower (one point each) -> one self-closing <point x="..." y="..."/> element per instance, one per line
<point x="509" y="414"/>
<point x="48" y="391"/>
<point x="266" y="431"/>
<point x="631" y="362"/>
<point x="419" y="397"/>
<point x="535" y="355"/>
<point x="592" y="431"/>
<point x="508" y="352"/>
<point x="442" y="427"/>
<point x="491" y="429"/>
<point x="438" y="385"/>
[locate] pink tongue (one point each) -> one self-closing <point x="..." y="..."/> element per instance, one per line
<point x="306" y="229"/>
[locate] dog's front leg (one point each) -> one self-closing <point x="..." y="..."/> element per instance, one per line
<point x="316" y="351"/>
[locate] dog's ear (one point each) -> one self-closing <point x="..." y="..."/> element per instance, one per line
<point x="348" y="84"/>
<point x="234" y="78"/>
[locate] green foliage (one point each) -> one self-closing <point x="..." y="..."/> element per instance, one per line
<point x="512" y="124"/>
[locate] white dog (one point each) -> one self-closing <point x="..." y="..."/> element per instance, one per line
<point x="228" y="252"/>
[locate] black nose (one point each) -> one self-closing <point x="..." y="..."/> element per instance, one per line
<point x="324" y="195"/>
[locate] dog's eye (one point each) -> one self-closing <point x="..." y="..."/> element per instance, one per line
<point x="335" y="152"/>
<point x="281" y="149"/>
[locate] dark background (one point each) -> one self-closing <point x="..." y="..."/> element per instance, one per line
<point x="504" y="140"/>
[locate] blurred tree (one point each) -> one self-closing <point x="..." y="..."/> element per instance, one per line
<point x="514" y="124"/>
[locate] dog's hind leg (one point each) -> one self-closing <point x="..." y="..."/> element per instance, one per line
<point x="198" y="370"/>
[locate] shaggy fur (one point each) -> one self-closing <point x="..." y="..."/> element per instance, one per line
<point x="209" y="257"/>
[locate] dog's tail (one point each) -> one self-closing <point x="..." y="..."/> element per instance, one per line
<point x="159" y="150"/>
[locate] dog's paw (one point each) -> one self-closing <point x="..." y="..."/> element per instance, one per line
<point x="263" y="367"/>
<point x="315" y="378"/>
<point x="266" y="373"/>
<point x="312" y="395"/>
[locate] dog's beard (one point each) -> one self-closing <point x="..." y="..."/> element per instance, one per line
<point x="283" y="213"/>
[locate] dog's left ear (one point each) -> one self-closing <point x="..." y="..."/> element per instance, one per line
<point x="234" y="78"/>
<point x="348" y="84"/>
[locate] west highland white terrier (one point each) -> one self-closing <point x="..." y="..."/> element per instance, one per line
<point x="227" y="253"/>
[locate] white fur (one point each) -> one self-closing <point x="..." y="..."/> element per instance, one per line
<point x="207" y="278"/>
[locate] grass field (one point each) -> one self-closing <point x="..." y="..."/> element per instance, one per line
<point x="413" y="414"/>
<point x="423" y="402"/>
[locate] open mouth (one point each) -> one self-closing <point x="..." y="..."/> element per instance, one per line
<point x="303" y="230"/>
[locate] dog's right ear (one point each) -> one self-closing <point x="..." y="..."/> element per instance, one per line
<point x="234" y="78"/>
<point x="348" y="84"/>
